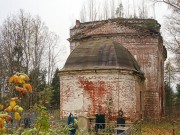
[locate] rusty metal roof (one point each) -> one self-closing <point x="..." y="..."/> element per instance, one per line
<point x="100" y="54"/>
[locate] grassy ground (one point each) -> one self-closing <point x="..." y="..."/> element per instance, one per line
<point x="163" y="127"/>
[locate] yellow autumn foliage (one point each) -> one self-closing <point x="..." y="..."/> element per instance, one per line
<point x="8" y="109"/>
<point x="12" y="103"/>
<point x="14" y="99"/>
<point x="1" y="106"/>
<point x="18" y="88"/>
<point x="15" y="108"/>
<point x="13" y="78"/>
<point x="3" y="130"/>
<point x="3" y="115"/>
<point x="20" y="109"/>
<point x="19" y="78"/>
<point x="1" y="122"/>
<point x="24" y="77"/>
<point x="28" y="87"/>
<point x="17" y="116"/>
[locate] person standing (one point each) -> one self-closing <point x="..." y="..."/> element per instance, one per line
<point x="120" y="122"/>
<point x="70" y="122"/>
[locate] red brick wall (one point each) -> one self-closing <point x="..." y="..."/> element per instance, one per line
<point x="145" y="50"/>
<point x="86" y="92"/>
<point x="148" y="51"/>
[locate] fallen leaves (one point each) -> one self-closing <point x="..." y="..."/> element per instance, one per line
<point x="162" y="128"/>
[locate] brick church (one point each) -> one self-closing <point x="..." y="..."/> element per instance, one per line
<point x="114" y="64"/>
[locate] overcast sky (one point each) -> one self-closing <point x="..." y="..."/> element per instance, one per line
<point x="58" y="15"/>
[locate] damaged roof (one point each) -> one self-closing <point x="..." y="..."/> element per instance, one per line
<point x="101" y="54"/>
<point x="144" y="26"/>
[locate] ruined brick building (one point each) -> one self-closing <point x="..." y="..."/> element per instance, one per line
<point x="114" y="64"/>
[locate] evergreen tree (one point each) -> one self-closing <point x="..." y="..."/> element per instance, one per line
<point x="168" y="99"/>
<point x="55" y="99"/>
<point x="120" y="10"/>
<point x="178" y="97"/>
<point x="38" y="81"/>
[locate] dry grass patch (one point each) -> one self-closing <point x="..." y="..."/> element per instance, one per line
<point x="163" y="127"/>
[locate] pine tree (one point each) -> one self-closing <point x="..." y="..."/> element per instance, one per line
<point x="55" y="99"/>
<point x="169" y="95"/>
<point x="178" y="97"/>
<point x="120" y="10"/>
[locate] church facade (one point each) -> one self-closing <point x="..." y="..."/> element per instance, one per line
<point x="114" y="64"/>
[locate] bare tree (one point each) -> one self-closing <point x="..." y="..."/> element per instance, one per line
<point x="174" y="4"/>
<point x="172" y="30"/>
<point x="92" y="10"/>
<point x="28" y="46"/>
<point x="83" y="14"/>
<point x="173" y="36"/>
<point x="52" y="57"/>
<point x="169" y="72"/>
<point x="112" y="8"/>
<point x="89" y="11"/>
<point x="9" y="45"/>
<point x="120" y="10"/>
<point x="128" y="8"/>
<point x="143" y="13"/>
<point x="105" y="10"/>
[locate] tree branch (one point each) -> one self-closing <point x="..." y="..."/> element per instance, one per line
<point x="174" y="5"/>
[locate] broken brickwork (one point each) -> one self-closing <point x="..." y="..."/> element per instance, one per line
<point x="142" y="39"/>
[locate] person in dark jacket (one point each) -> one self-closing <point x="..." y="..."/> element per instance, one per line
<point x="27" y="122"/>
<point x="120" y="122"/>
<point x="100" y="122"/>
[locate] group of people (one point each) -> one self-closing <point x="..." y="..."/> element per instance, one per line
<point x="100" y="123"/>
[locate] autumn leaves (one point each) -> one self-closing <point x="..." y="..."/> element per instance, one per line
<point x="18" y="82"/>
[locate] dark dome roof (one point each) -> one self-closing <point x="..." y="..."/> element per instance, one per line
<point x="100" y="54"/>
